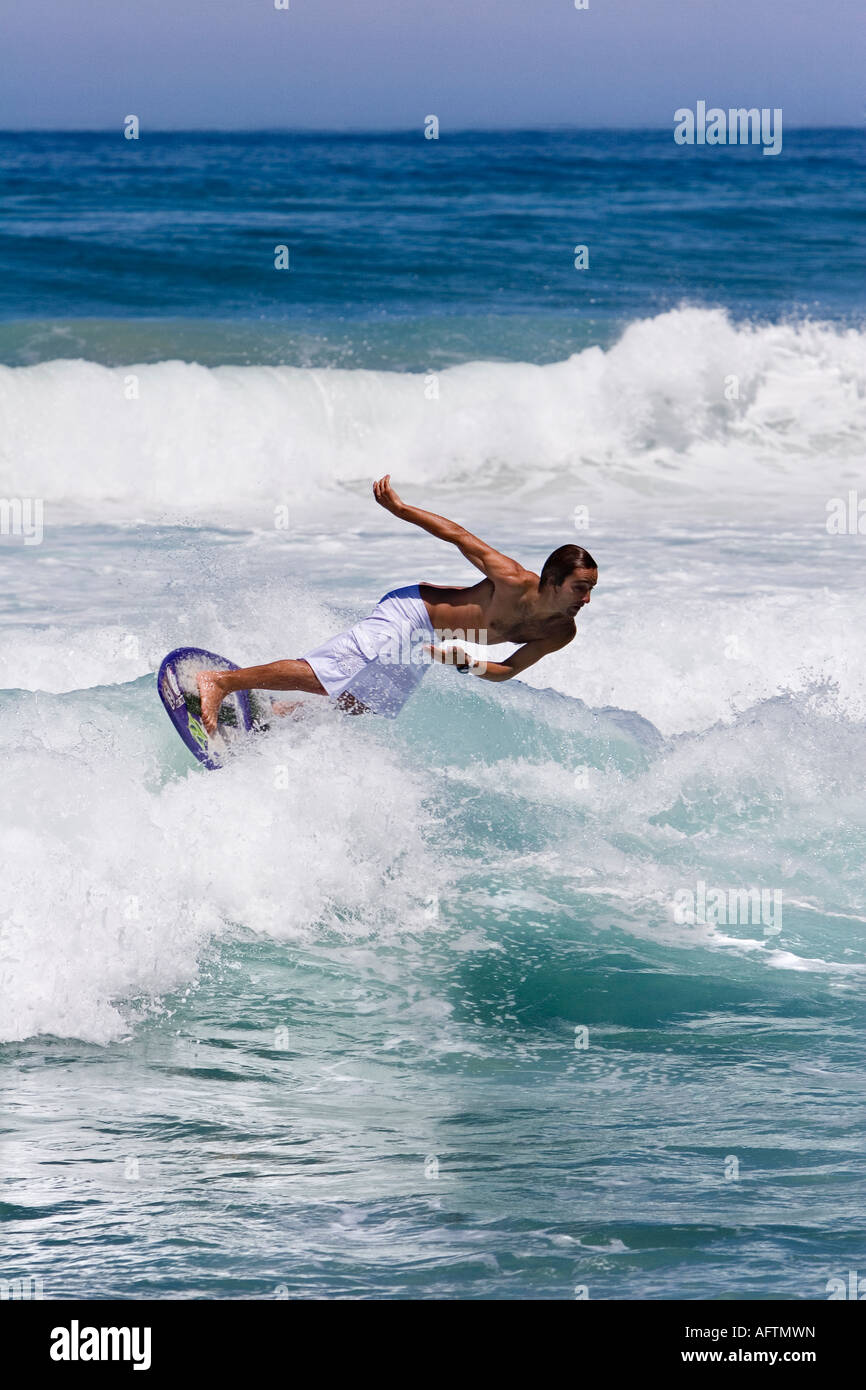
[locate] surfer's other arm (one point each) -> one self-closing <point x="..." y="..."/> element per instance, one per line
<point x="525" y="656"/>
<point x="491" y="562"/>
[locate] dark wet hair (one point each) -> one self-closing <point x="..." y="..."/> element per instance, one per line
<point x="559" y="565"/>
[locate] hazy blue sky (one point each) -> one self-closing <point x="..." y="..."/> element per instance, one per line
<point x="344" y="64"/>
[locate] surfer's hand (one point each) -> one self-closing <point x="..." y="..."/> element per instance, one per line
<point x="386" y="496"/>
<point x="449" y="656"/>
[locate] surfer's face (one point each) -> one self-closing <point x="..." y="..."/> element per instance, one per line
<point x="575" y="591"/>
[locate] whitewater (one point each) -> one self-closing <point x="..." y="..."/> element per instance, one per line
<point x="716" y="640"/>
<point x="684" y="405"/>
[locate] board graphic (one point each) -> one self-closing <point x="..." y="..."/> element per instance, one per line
<point x="238" y="716"/>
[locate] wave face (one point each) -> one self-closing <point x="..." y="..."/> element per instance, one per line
<point x="361" y="981"/>
<point x="687" y="407"/>
<point x="328" y="833"/>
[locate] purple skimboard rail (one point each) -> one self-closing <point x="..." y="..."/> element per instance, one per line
<point x="179" y="693"/>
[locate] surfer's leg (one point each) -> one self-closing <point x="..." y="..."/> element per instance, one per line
<point x="346" y="702"/>
<point x="214" y="686"/>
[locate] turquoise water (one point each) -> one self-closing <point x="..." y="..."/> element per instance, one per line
<point x="411" y="1009"/>
<point x="399" y="1109"/>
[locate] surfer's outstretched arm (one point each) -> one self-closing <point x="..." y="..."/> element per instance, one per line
<point x="491" y="562"/>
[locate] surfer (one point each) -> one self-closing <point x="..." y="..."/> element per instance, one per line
<point x="377" y="664"/>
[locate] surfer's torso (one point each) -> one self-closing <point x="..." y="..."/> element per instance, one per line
<point x="498" y="612"/>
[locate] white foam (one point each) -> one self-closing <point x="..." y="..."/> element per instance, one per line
<point x="649" y="418"/>
<point x="114" y="885"/>
<point x="684" y="658"/>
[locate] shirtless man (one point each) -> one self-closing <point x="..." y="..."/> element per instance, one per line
<point x="377" y="664"/>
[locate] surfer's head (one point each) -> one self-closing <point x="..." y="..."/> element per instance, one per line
<point x="568" y="578"/>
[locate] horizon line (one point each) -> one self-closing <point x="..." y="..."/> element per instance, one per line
<point x="374" y="130"/>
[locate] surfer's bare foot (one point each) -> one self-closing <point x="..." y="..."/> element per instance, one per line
<point x="212" y="692"/>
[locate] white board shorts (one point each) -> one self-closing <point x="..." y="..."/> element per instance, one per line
<point x="380" y="661"/>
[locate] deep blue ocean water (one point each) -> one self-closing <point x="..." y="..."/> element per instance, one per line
<point x="408" y="1010"/>
<point x="407" y="252"/>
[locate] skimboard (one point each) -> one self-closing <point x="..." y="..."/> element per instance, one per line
<point x="240" y="714"/>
